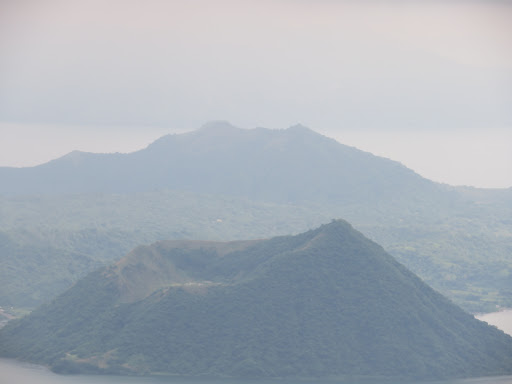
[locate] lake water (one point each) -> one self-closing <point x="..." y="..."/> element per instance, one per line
<point x="501" y="319"/>
<point x="12" y="371"/>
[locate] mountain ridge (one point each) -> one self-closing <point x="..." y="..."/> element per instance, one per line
<point x="324" y="303"/>
<point x="215" y="159"/>
<point x="223" y="183"/>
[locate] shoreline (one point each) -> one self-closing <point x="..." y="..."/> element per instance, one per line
<point x="501" y="319"/>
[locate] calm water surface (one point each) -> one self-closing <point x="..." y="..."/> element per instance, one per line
<point x="501" y="319"/>
<point x="12" y="371"/>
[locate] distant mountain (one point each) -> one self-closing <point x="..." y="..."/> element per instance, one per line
<point x="292" y="165"/>
<point x="325" y="303"/>
<point x="225" y="183"/>
<point x="32" y="272"/>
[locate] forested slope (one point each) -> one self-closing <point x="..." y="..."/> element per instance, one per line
<point x="325" y="303"/>
<point x="224" y="183"/>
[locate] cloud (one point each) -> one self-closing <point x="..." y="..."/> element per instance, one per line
<point x="365" y="66"/>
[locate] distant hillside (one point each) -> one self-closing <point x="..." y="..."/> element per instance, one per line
<point x="292" y="165"/>
<point x="48" y="242"/>
<point x="325" y="303"/>
<point x="225" y="183"/>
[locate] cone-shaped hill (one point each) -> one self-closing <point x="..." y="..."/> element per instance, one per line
<point x="328" y="302"/>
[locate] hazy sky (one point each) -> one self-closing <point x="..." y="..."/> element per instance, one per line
<point x="427" y="83"/>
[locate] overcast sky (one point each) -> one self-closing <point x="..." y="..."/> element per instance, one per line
<point x="427" y="83"/>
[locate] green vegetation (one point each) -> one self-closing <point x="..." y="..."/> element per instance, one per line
<point x="47" y="243"/>
<point x="324" y="303"/>
<point x="63" y="219"/>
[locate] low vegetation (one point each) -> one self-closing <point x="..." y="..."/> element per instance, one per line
<point x="324" y="303"/>
<point x="65" y="218"/>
